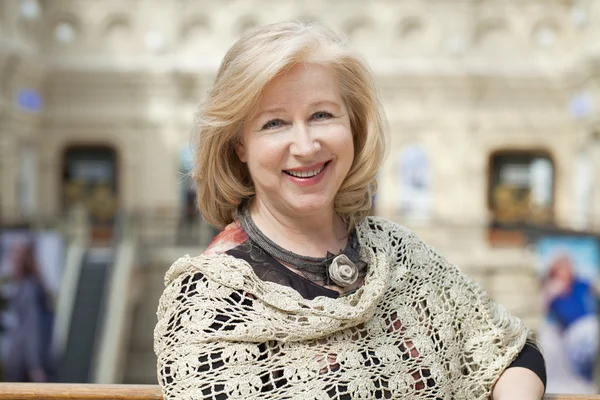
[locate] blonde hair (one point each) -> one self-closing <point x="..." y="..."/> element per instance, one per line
<point x="261" y="54"/>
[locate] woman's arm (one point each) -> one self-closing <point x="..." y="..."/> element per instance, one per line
<point x="518" y="384"/>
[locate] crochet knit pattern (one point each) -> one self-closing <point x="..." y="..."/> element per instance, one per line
<point x="417" y="329"/>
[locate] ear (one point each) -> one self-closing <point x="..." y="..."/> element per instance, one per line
<point x="240" y="150"/>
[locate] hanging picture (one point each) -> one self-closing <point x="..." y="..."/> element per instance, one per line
<point x="569" y="334"/>
<point x="414" y="189"/>
<point x="31" y="266"/>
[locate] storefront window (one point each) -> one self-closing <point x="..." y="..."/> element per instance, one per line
<point x="90" y="180"/>
<point x="521" y="190"/>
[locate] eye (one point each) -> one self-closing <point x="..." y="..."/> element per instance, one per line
<point x="274" y="123"/>
<point x="320" y="115"/>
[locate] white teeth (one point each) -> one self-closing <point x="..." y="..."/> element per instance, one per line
<point x="306" y="174"/>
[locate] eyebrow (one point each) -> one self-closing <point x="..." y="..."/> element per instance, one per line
<point x="282" y="109"/>
<point x="268" y="111"/>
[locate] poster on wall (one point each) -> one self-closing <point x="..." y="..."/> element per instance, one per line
<point x="569" y="269"/>
<point x="414" y="183"/>
<point x="31" y="266"/>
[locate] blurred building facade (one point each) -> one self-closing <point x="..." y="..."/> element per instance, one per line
<point x="493" y="105"/>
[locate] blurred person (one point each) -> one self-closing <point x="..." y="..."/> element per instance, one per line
<point x="28" y="334"/>
<point x="303" y="295"/>
<point x="572" y="302"/>
<point x="189" y="218"/>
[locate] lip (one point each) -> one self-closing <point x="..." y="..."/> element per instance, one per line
<point x="306" y="182"/>
<point x="308" y="168"/>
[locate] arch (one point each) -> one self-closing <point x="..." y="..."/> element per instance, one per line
<point x="411" y="28"/>
<point x="487" y="28"/>
<point x="355" y="26"/>
<point x="194" y="27"/>
<point x="115" y="23"/>
<point x="194" y="36"/>
<point x="117" y="32"/>
<point x="412" y="32"/>
<point x="494" y="36"/>
<point x="360" y="30"/>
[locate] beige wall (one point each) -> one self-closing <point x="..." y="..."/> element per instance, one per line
<point x="462" y="78"/>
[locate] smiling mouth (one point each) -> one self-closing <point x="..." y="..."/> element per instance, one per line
<point x="307" y="174"/>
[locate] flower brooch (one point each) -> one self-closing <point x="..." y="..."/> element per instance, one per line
<point x="342" y="271"/>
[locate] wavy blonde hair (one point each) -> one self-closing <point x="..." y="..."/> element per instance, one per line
<point x="223" y="181"/>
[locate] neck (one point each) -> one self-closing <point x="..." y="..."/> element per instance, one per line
<point x="310" y="235"/>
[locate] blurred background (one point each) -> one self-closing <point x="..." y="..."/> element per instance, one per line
<point x="494" y="113"/>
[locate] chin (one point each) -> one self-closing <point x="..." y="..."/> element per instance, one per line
<point x="311" y="206"/>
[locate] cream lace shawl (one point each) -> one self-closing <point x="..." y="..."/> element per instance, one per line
<point x="417" y="329"/>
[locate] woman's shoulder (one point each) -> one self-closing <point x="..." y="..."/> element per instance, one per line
<point x="402" y="241"/>
<point x="213" y="259"/>
<point x="230" y="237"/>
<point x="218" y="267"/>
<point x="376" y="225"/>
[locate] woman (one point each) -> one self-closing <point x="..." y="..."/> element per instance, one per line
<point x="302" y="296"/>
<point x="26" y="338"/>
<point x="571" y="302"/>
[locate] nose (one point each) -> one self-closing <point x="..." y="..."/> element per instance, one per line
<point x="304" y="144"/>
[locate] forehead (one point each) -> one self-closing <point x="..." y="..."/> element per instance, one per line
<point x="307" y="82"/>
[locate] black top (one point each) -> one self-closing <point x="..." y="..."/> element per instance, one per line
<point x="269" y="269"/>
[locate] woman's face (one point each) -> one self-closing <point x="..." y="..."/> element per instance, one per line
<point x="298" y="145"/>
<point x="563" y="270"/>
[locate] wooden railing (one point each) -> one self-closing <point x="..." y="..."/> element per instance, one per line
<point x="59" y="391"/>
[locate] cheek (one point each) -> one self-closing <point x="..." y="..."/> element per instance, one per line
<point x="265" y="155"/>
<point x="345" y="144"/>
<point x="337" y="135"/>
